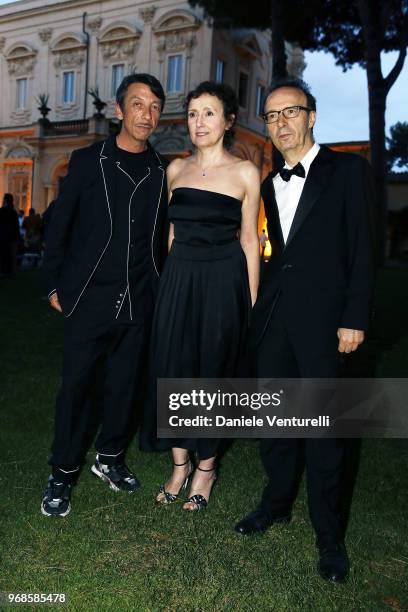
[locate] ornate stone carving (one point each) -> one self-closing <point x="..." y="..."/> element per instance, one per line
<point x="116" y="51"/>
<point x="176" y="32"/>
<point x="119" y="44"/>
<point x="21" y="67"/>
<point x="69" y="59"/>
<point x="2" y="43"/>
<point x="147" y="13"/>
<point x="94" y="24"/>
<point x="45" y="34"/>
<point x="20" y="117"/>
<point x="296" y="60"/>
<point x="21" y="61"/>
<point x="176" y="41"/>
<point x="69" y="53"/>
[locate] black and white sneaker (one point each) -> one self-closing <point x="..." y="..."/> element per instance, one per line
<point x="57" y="498"/>
<point x="118" y="476"/>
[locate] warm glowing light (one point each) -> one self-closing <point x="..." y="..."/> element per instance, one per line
<point x="268" y="248"/>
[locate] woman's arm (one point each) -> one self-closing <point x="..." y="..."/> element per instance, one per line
<point x="249" y="224"/>
<point x="172" y="172"/>
<point x="171" y="235"/>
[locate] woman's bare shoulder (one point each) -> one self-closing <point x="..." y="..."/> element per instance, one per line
<point x="176" y="164"/>
<point x="246" y="169"/>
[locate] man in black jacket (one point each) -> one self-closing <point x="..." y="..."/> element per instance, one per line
<point x="106" y="243"/>
<point x="314" y="303"/>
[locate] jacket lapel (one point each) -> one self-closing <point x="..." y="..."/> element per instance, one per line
<point x="317" y="179"/>
<point x="107" y="164"/>
<point x="155" y="187"/>
<point x="272" y="211"/>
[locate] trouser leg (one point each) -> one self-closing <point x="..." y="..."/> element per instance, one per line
<point x="324" y="461"/>
<point x="280" y="456"/>
<point x="324" y="456"/>
<point x="124" y="367"/>
<point x="82" y="349"/>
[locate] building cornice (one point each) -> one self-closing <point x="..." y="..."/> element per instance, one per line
<point x="41" y="9"/>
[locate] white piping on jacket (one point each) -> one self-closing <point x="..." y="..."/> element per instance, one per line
<point x="127" y="263"/>
<point x="101" y="157"/>
<point x="157" y="212"/>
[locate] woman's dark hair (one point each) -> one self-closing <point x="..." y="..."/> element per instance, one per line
<point x="226" y="96"/>
<point x="8" y="200"/>
<point x="146" y="79"/>
<point x="295" y="84"/>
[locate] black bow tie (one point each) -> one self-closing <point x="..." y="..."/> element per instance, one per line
<point x="286" y="174"/>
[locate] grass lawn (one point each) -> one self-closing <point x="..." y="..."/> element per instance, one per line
<point x="119" y="552"/>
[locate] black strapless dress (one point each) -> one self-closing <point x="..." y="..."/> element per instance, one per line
<point x="203" y="306"/>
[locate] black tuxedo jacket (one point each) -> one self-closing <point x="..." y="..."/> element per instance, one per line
<point x="81" y="223"/>
<point x="323" y="276"/>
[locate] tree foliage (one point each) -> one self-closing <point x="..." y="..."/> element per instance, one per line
<point x="397" y="150"/>
<point x="336" y="26"/>
<point x="236" y="13"/>
<point x="333" y="26"/>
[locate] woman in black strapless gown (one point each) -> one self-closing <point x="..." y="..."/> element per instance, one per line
<point x="205" y="293"/>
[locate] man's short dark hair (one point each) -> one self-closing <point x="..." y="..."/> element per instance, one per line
<point x="295" y="84"/>
<point x="146" y="79"/>
<point x="226" y="96"/>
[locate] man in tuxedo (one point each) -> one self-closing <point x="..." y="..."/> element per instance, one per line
<point x="314" y="303"/>
<point x="106" y="243"/>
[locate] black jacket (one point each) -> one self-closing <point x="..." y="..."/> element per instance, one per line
<point x="80" y="228"/>
<point x="324" y="274"/>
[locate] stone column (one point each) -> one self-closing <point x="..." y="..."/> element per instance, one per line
<point x="43" y="85"/>
<point x="3" y="73"/>
<point x="147" y="15"/>
<point x="37" y="192"/>
<point x="93" y="25"/>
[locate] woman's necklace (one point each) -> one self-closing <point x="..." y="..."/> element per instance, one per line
<point x="205" y="170"/>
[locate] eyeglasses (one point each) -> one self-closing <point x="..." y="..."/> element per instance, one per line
<point x="290" y="112"/>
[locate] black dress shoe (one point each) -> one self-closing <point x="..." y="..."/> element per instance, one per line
<point x="333" y="561"/>
<point x="258" y="522"/>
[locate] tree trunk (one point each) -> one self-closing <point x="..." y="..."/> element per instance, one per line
<point x="278" y="52"/>
<point x="377" y="101"/>
<point x="373" y="33"/>
<point x="279" y="68"/>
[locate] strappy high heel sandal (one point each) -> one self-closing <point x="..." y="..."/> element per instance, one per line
<point x="165" y="497"/>
<point x="199" y="501"/>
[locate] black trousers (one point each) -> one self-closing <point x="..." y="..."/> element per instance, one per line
<point x="283" y="458"/>
<point x="122" y="349"/>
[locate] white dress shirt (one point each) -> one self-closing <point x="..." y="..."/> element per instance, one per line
<point x="288" y="193"/>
